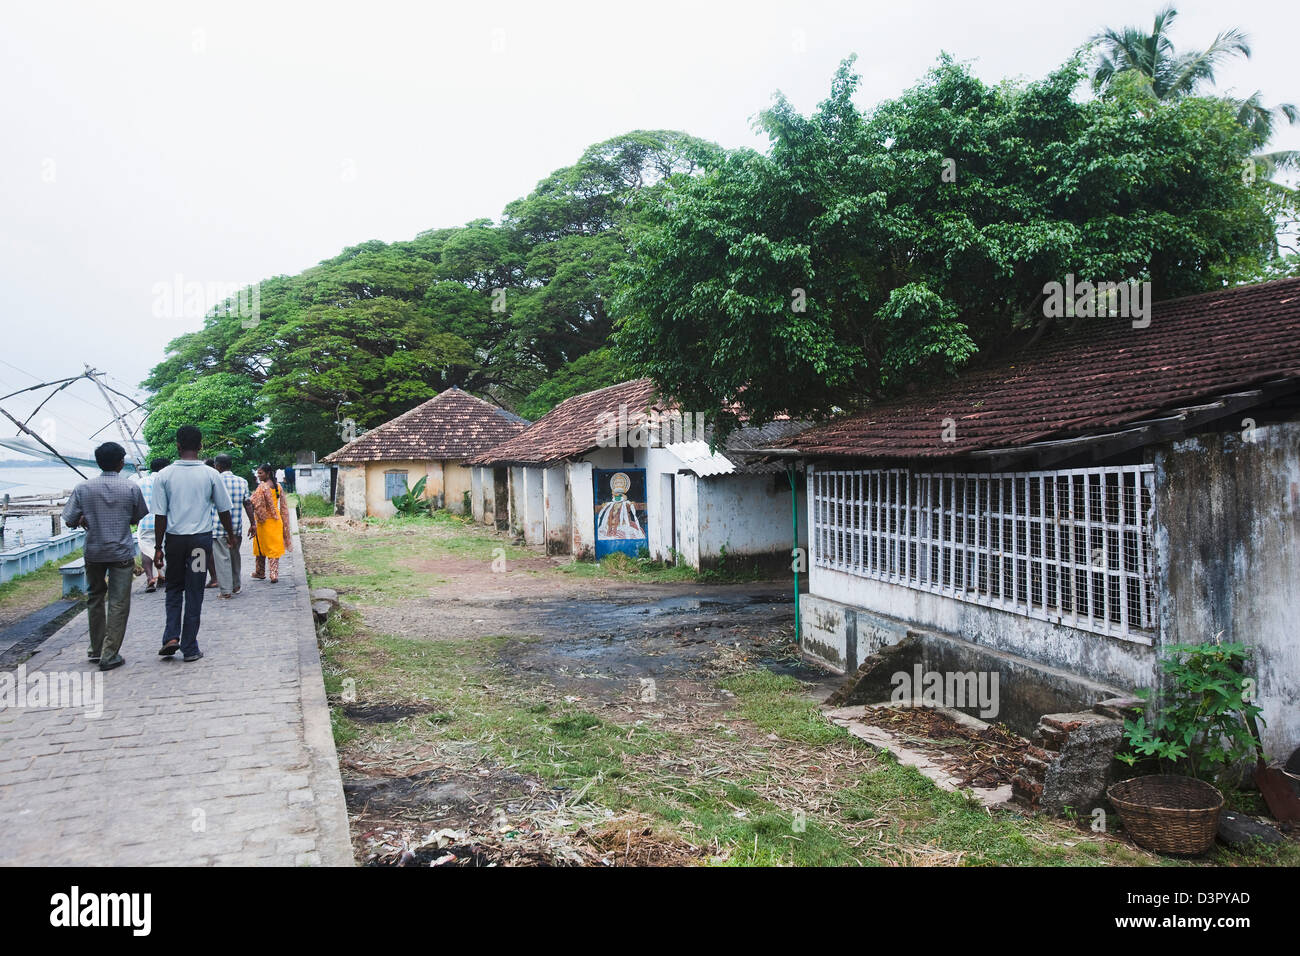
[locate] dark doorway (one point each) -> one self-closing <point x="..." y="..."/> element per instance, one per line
<point x="501" y="503"/>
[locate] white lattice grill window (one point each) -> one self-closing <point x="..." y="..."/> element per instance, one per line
<point x="1070" y="546"/>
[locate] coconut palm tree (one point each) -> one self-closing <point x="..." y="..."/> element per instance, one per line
<point x="1166" y="73"/>
<point x="1151" y="59"/>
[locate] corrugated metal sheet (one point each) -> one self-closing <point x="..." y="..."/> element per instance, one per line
<point x="695" y="456"/>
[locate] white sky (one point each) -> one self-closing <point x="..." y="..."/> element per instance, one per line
<point x="231" y="141"/>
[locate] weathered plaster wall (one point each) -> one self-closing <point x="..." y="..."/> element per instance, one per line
<point x="582" y="512"/>
<point x="456" y="481"/>
<point x="1228" y="506"/>
<point x="555" y="507"/>
<point x="377" y="506"/>
<point x="688" y="524"/>
<point x="515" y="501"/>
<point x="1110" y="660"/>
<point x="749" y="515"/>
<point x="534" y="506"/>
<point x="476" y="493"/>
<point x="352" y="491"/>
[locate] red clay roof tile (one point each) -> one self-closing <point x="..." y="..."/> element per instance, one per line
<point x="1102" y="375"/>
<point x="453" y="424"/>
<point x="573" y="426"/>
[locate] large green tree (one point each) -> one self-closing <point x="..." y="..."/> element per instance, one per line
<point x="222" y="406"/>
<point x="1149" y="62"/>
<point x="496" y="308"/>
<point x="866" y="251"/>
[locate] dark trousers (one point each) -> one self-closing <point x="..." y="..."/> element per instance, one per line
<point x="186" y="558"/>
<point x="109" y="584"/>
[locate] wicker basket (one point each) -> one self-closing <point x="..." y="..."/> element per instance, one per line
<point x="1169" y="814"/>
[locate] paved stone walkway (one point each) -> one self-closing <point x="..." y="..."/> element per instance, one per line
<point x="227" y="760"/>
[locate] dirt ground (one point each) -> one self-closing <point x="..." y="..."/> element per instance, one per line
<point x="535" y="716"/>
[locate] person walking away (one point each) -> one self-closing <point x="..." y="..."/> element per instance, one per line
<point x="226" y="557"/>
<point x="107" y="506"/>
<point x="144" y="533"/>
<point x="212" y="568"/>
<point x="184" y="493"/>
<point x="270" y="530"/>
<point x="289" y="478"/>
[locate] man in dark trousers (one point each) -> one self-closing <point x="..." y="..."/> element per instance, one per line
<point x="107" y="506"/>
<point x="184" y="496"/>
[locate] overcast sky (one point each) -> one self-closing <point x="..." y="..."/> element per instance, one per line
<point x="227" y="142"/>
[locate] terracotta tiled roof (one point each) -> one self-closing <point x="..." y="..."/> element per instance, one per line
<point x="1103" y="375"/>
<point x="452" y="424"/>
<point x="573" y="426"/>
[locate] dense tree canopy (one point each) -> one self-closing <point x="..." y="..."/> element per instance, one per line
<point x="866" y="251"/>
<point x="859" y="254"/>
<point x="221" y="405"/>
<point x="499" y="309"/>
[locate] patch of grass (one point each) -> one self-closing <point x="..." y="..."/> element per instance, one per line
<point x="775" y="702"/>
<point x="620" y="565"/>
<point x="650" y="570"/>
<point x="313" y="506"/>
<point x="389" y="568"/>
<point x="34" y="590"/>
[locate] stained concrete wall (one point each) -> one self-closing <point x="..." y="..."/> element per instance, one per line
<point x="1228" y="506"/>
<point x="351" y="491"/>
<point x="582" y="513"/>
<point x="749" y="515"/>
<point x="515" y="500"/>
<point x="457" y="481"/>
<point x="533" y="501"/>
<point x="446" y="482"/>
<point x="688" y="519"/>
<point x="842" y="638"/>
<point x="555" y="510"/>
<point x="476" y="493"/>
<point x="1111" y="660"/>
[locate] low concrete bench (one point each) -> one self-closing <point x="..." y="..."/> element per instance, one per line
<point x="74" y="577"/>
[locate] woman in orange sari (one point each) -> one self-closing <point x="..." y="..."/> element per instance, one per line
<point x="270" y="528"/>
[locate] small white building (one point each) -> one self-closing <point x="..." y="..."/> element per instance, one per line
<point x="431" y="441"/>
<point x="616" y="470"/>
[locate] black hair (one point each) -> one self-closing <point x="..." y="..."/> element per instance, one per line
<point x="222" y="462"/>
<point x="158" y="464"/>
<point x="188" y="438"/>
<point x="270" y="470"/>
<point x="109" y="456"/>
<point x="210" y="462"/>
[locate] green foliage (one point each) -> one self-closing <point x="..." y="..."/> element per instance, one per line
<point x="494" y="308"/>
<point x="864" y="252"/>
<point x="1201" y="723"/>
<point x="592" y="371"/>
<point x="412" y="503"/>
<point x="223" y="407"/>
<point x="314" y="506"/>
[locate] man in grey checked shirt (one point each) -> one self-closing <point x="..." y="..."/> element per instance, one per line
<point x="106" y="507"/>
<point x="224" y="557"/>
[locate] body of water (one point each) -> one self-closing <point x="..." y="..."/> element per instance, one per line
<point x="34" y="480"/>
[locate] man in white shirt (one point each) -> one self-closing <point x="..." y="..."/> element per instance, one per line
<point x="184" y="494"/>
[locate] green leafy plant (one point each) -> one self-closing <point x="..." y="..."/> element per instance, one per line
<point x="412" y="503"/>
<point x="1200" y="724"/>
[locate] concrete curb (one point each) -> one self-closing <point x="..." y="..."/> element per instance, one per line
<point x="334" y="834"/>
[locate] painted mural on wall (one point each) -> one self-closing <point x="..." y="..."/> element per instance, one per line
<point x="621" y="519"/>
